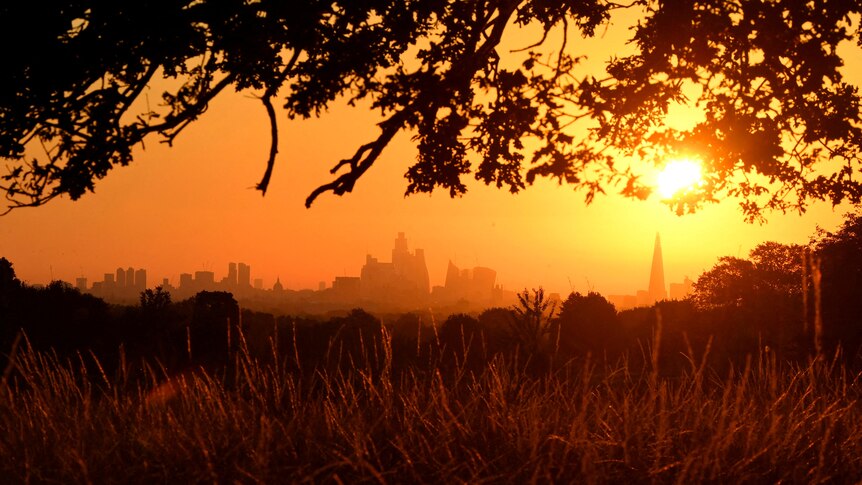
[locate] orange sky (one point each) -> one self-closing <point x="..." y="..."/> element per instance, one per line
<point x="192" y="207"/>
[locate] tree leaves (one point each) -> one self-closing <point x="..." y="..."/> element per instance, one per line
<point x="780" y="124"/>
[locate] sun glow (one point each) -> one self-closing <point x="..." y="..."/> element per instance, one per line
<point x="678" y="176"/>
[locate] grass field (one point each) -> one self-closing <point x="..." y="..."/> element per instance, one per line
<point x="253" y="422"/>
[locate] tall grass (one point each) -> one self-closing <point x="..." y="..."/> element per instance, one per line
<point x="68" y="421"/>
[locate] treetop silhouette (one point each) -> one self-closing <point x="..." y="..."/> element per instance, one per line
<point x="780" y="126"/>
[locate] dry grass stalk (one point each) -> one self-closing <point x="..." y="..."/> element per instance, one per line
<point x="591" y="422"/>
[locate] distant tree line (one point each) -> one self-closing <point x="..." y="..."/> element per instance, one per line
<point x="792" y="300"/>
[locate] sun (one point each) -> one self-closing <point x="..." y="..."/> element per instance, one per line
<point x="678" y="176"/>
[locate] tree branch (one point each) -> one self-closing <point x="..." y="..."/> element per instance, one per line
<point x="187" y="115"/>
<point x="459" y="77"/>
<point x="363" y="159"/>
<point x="541" y="41"/>
<point x="273" y="147"/>
<point x="266" y="99"/>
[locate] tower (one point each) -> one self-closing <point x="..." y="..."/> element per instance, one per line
<point x="141" y="279"/>
<point x="121" y="278"/>
<point x="232" y="278"/>
<point x="400" y="250"/>
<point x="410" y="266"/>
<point x="243" y="275"/>
<point x="656" y="291"/>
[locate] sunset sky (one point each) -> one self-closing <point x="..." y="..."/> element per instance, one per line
<point x="193" y="207"/>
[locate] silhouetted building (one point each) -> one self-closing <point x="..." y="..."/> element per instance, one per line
<point x="410" y="267"/>
<point x="186" y="282"/>
<point x="678" y="291"/>
<point x="403" y="281"/>
<point x="278" y="286"/>
<point x="232" y="277"/>
<point x="377" y="279"/>
<point x="346" y="288"/>
<point x="656" y="290"/>
<point x="623" y="302"/>
<point x="643" y="298"/>
<point x="141" y="280"/>
<point x="204" y="279"/>
<point x="454" y="282"/>
<point x="121" y="286"/>
<point x="475" y="286"/>
<point x="483" y="279"/>
<point x="244" y="275"/>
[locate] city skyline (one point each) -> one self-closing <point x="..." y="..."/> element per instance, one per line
<point x="401" y="284"/>
<point x="406" y="269"/>
<point x="405" y="276"/>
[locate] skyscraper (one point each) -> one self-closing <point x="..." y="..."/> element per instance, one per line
<point x="244" y="275"/>
<point x="657" y="290"/>
<point x="405" y="279"/>
<point x="232" y="279"/>
<point x="205" y="280"/>
<point x="141" y="279"/>
<point x="186" y="281"/>
<point x="410" y="266"/>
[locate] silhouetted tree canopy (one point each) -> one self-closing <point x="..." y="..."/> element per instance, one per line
<point x="726" y="285"/>
<point x="771" y="278"/>
<point x="156" y="300"/>
<point x="587" y="322"/>
<point x="531" y="319"/>
<point x="759" y="297"/>
<point x="780" y="124"/>
<point x="56" y="315"/>
<point x="215" y="326"/>
<point x="9" y="283"/>
<point x="461" y="334"/>
<point x="8" y="280"/>
<point x="840" y="258"/>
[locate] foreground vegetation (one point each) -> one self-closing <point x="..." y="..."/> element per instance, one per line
<point x="728" y="385"/>
<point x="269" y="420"/>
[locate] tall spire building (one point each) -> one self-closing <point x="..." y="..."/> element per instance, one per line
<point x="657" y="290"/>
